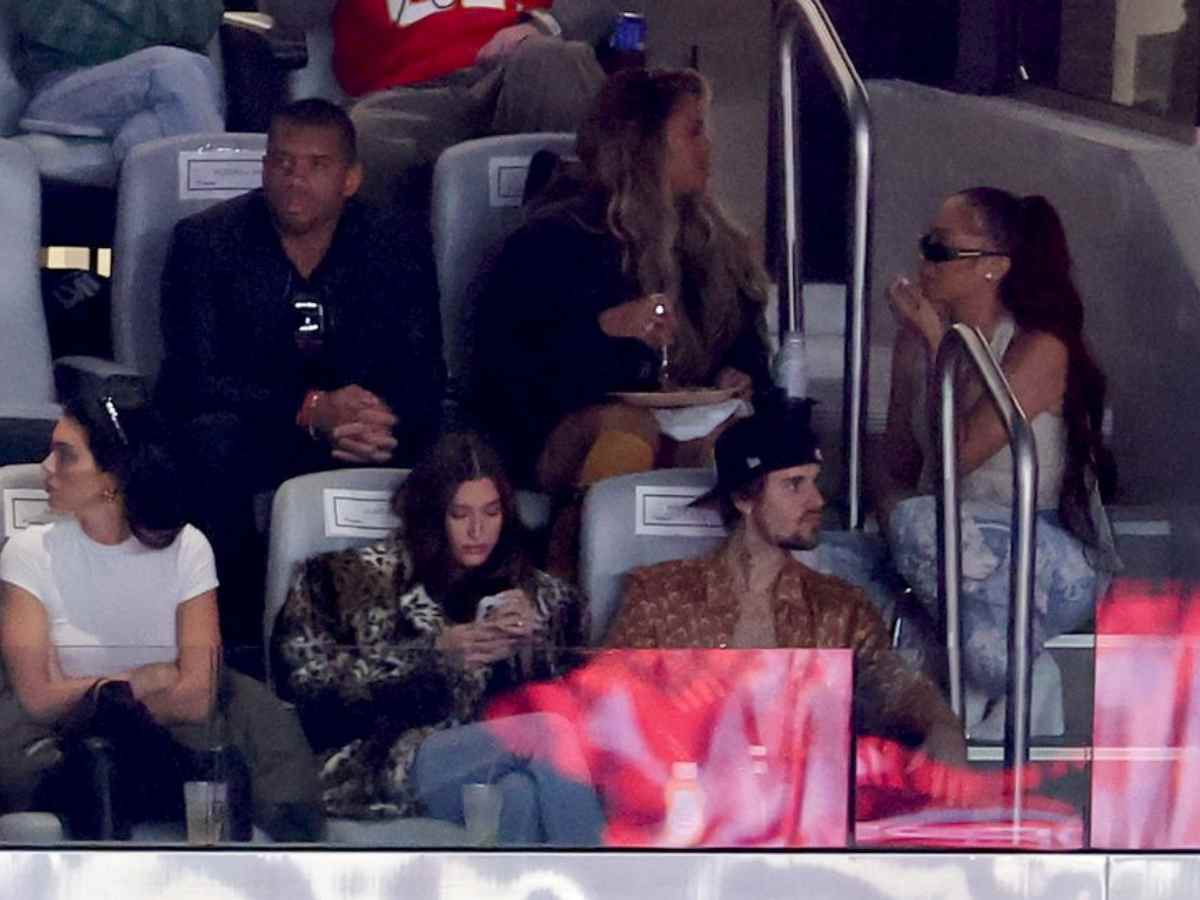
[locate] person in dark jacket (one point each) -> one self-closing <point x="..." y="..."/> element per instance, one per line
<point x="638" y="282"/>
<point x="301" y="333"/>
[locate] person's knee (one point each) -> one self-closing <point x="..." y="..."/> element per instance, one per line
<point x="520" y="821"/>
<point x="631" y="420"/>
<point x="548" y="84"/>
<point x="174" y="64"/>
<point x="535" y="56"/>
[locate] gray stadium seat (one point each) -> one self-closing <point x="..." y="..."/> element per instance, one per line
<point x="24" y="477"/>
<point x="22" y="499"/>
<point x="299" y="530"/>
<point x="477" y="191"/>
<point x="31" y="828"/>
<point x="610" y="542"/>
<point x="27" y="408"/>
<point x="153" y="195"/>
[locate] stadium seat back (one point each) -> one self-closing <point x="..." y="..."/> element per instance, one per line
<point x="478" y="189"/>
<point x="162" y="182"/>
<point x="638" y="520"/>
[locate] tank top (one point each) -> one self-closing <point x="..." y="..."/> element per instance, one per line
<point x="992" y="481"/>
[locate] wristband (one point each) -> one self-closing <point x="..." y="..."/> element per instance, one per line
<point x="308" y="409"/>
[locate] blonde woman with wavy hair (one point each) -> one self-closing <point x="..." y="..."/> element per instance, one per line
<point x="587" y="294"/>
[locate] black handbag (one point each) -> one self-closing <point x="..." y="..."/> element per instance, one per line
<point x="121" y="767"/>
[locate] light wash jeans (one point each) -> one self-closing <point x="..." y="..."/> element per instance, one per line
<point x="1065" y="582"/>
<point x="149" y="94"/>
<point x="540" y="804"/>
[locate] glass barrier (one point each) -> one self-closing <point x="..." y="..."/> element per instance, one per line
<point x="403" y="746"/>
<point x="118" y="744"/>
<point x="1140" y="55"/>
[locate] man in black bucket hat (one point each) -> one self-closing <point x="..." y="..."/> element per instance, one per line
<point x="777" y="439"/>
<point x="752" y="593"/>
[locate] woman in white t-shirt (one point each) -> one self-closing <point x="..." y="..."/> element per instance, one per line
<point x="120" y="588"/>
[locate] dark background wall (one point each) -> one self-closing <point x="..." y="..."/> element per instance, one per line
<point x="916" y="40"/>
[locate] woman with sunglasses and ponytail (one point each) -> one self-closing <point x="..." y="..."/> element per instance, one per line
<point x="109" y="629"/>
<point x="1000" y="263"/>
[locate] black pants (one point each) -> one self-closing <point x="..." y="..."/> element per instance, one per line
<point x="228" y="464"/>
<point x="121" y="767"/>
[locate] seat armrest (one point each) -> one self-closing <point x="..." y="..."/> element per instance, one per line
<point x="287" y="46"/>
<point x="69" y="370"/>
<point x="258" y="54"/>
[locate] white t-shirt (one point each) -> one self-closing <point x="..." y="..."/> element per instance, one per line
<point x="110" y="607"/>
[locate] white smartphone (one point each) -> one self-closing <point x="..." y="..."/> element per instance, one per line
<point x="488" y="605"/>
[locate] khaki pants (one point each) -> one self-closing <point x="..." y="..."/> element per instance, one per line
<point x="283" y="771"/>
<point x="545" y="85"/>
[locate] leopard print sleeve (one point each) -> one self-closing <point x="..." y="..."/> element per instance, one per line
<point x="351" y="661"/>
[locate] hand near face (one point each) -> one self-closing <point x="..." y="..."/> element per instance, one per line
<point x="915" y="311"/>
<point x="651" y="319"/>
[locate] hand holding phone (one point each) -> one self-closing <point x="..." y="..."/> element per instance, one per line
<point x="510" y="611"/>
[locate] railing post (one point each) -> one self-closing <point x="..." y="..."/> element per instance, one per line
<point x="1019" y="687"/>
<point x="791" y="285"/>
<point x="810" y="15"/>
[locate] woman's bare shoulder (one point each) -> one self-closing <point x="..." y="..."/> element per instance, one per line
<point x="1039" y="351"/>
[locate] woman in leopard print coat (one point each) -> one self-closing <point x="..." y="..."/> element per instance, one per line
<point x="381" y="646"/>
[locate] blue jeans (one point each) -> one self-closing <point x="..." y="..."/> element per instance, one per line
<point x="149" y="94"/>
<point x="540" y="804"/>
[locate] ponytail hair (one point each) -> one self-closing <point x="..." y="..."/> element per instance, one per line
<point x="1040" y="294"/>
<point x="128" y="440"/>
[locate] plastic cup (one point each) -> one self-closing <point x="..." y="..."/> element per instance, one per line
<point x="481" y="813"/>
<point x="207" y="806"/>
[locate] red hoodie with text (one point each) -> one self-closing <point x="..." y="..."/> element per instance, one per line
<point x="380" y="44"/>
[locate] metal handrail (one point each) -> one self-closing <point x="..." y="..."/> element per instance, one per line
<point x="811" y="16"/>
<point x="966" y="338"/>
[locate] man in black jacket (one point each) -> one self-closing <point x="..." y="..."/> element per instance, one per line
<point x="302" y="333"/>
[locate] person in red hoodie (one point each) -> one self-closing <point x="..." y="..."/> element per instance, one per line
<point x="426" y="74"/>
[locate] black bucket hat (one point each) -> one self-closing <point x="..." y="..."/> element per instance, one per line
<point x="778" y="436"/>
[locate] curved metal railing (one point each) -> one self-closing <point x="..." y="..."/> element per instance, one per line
<point x="960" y="340"/>
<point x="810" y="16"/>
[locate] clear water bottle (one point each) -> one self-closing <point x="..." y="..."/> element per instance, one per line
<point x="684" y="798"/>
<point x="791" y="366"/>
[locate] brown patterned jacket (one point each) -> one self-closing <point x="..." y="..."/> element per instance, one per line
<point x="694" y="603"/>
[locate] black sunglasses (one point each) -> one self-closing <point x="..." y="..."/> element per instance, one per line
<point x="933" y="250"/>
